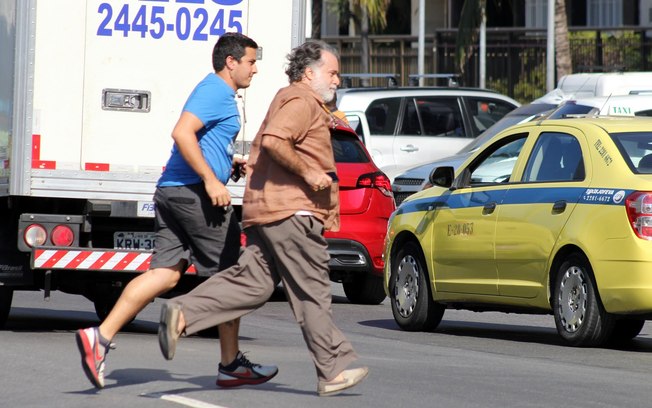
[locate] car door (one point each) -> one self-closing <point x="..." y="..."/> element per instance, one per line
<point x="381" y="117"/>
<point x="431" y="127"/>
<point x="464" y="227"/>
<point x="535" y="210"/>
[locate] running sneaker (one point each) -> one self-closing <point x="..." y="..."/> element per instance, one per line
<point x="93" y="354"/>
<point x="245" y="372"/>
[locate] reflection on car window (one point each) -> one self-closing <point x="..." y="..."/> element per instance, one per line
<point x="430" y="116"/>
<point x="485" y="112"/>
<point x="555" y="157"/>
<point x="636" y="149"/>
<point x="356" y="124"/>
<point x="497" y="166"/>
<point x="382" y="115"/>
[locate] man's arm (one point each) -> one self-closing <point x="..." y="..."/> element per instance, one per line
<point x="184" y="135"/>
<point x="283" y="153"/>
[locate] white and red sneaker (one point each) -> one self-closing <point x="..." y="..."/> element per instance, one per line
<point x="245" y="373"/>
<point x="93" y="354"/>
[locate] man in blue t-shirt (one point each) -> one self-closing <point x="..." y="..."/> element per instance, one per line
<point x="195" y="223"/>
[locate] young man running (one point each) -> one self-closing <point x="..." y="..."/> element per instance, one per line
<point x="195" y="223"/>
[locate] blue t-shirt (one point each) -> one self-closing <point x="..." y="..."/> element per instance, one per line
<point x="213" y="102"/>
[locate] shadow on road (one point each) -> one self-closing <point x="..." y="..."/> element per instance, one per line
<point x="508" y="332"/>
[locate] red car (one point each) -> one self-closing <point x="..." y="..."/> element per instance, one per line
<point x="366" y="202"/>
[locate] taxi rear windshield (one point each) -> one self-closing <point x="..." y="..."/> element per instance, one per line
<point x="636" y="149"/>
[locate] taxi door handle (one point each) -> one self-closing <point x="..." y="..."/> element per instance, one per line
<point x="409" y="148"/>
<point x="559" y="206"/>
<point x="489" y="208"/>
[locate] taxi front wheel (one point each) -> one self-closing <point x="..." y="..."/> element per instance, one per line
<point x="579" y="316"/>
<point x="410" y="294"/>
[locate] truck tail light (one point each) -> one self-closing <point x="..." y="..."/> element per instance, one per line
<point x="639" y="213"/>
<point x="62" y="235"/>
<point x="35" y="235"/>
<point x="375" y="180"/>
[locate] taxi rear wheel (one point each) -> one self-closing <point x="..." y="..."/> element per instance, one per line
<point x="411" y="299"/>
<point x="579" y="316"/>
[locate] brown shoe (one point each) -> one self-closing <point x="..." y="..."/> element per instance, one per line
<point x="167" y="329"/>
<point x="351" y="377"/>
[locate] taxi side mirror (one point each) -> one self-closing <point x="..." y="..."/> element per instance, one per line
<point x="442" y="176"/>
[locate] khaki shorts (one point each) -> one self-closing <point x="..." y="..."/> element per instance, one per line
<point x="190" y="228"/>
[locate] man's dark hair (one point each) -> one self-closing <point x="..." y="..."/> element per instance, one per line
<point x="305" y="55"/>
<point x="230" y="44"/>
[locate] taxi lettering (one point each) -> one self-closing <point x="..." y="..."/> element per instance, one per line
<point x="602" y="151"/>
<point x="460" y="229"/>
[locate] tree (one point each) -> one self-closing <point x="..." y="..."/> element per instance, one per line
<point x="473" y="11"/>
<point x="563" y="60"/>
<point x="317" y="6"/>
<point x="365" y="14"/>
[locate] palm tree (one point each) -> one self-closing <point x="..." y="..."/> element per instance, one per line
<point x="562" y="45"/>
<point x="365" y="14"/>
<point x="473" y="12"/>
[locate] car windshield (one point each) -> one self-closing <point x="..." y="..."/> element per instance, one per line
<point x="636" y="149"/>
<point x="518" y="115"/>
<point x="347" y="148"/>
<point x="570" y="109"/>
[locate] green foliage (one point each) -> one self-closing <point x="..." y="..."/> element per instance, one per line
<point x="531" y="84"/>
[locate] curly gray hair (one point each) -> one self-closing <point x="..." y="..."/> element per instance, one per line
<point x="304" y="56"/>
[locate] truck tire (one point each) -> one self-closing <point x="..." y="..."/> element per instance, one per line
<point x="104" y="303"/>
<point x="6" y="296"/>
<point x="364" y="290"/>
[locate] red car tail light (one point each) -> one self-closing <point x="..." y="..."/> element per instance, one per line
<point x="375" y="180"/>
<point x="62" y="235"/>
<point x="639" y="213"/>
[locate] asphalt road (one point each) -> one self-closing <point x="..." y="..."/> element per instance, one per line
<point x="472" y="360"/>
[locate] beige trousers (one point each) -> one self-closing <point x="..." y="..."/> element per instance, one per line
<point x="292" y="251"/>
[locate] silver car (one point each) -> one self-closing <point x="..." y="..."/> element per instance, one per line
<point x="416" y="178"/>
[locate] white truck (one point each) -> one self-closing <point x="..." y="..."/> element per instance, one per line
<point x="89" y="93"/>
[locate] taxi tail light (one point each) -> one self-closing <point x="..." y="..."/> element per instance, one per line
<point x="639" y="213"/>
<point x="376" y="180"/>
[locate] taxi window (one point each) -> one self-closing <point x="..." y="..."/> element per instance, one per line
<point x="497" y="163"/>
<point x="555" y="157"/>
<point x="636" y="149"/>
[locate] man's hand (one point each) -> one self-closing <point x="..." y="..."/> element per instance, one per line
<point x="218" y="193"/>
<point x="317" y="180"/>
<point x="239" y="168"/>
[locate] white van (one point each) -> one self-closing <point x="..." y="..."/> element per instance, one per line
<point x="586" y="85"/>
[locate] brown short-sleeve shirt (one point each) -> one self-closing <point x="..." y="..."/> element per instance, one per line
<point x="274" y="193"/>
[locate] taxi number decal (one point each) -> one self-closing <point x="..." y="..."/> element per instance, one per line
<point x="197" y="24"/>
<point x="602" y="151"/>
<point x="465" y="228"/>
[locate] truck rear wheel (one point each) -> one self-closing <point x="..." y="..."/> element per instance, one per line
<point x="6" y="296"/>
<point x="104" y="303"/>
<point x="364" y="290"/>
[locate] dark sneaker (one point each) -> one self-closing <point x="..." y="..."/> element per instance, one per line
<point x="93" y="354"/>
<point x="244" y="373"/>
<point x="167" y="329"/>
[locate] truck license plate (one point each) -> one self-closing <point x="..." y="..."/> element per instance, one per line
<point x="133" y="240"/>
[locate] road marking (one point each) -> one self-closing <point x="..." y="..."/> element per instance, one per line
<point x="188" y="402"/>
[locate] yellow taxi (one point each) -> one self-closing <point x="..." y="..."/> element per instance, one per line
<point x="550" y="217"/>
